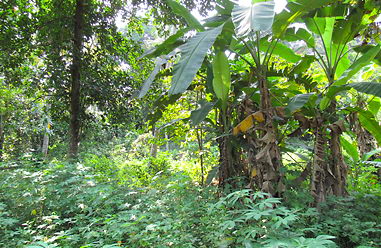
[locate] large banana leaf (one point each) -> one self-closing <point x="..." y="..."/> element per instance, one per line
<point x="296" y="34"/>
<point x="171" y="43"/>
<point x="221" y="77"/>
<point x="371" y="88"/>
<point x="350" y="148"/>
<point x="369" y="122"/>
<point x="192" y="55"/>
<point x="147" y="84"/>
<point x="180" y="10"/>
<point x="295" y="9"/>
<point x="298" y="102"/>
<point x="364" y="60"/>
<point x="280" y="50"/>
<point x="198" y="115"/>
<point x="248" y="18"/>
<point x="365" y="48"/>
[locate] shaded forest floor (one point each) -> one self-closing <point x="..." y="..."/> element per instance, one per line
<point x="102" y="201"/>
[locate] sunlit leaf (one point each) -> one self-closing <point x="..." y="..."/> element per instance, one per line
<point x="221" y="77"/>
<point x="249" y="18"/>
<point x="192" y="55"/>
<point x="298" y="102"/>
<point x="180" y="10"/>
<point x="198" y="115"/>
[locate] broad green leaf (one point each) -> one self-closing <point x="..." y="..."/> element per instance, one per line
<point x="343" y="64"/>
<point x="316" y="24"/>
<point x="296" y="34"/>
<point x="332" y="50"/>
<point x="224" y="7"/>
<point x="298" y="102"/>
<point x="221" y="77"/>
<point x="213" y="173"/>
<point x="168" y="45"/>
<point x="180" y="10"/>
<point x="369" y="122"/>
<point x="334" y="10"/>
<point x="374" y="106"/>
<point x="296" y="9"/>
<point x="280" y="50"/>
<point x="198" y="115"/>
<point x="365" y="48"/>
<point x="365" y="59"/>
<point x="192" y="56"/>
<point x="248" y="18"/>
<point x="350" y="148"/>
<point x="345" y="29"/>
<point x="367" y="87"/>
<point x="367" y="155"/>
<point x="332" y="92"/>
<point x="303" y="65"/>
<point x="147" y="84"/>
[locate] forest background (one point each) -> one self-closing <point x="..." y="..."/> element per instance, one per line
<point x="137" y="124"/>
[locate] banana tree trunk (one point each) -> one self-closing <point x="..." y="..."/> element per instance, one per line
<point x="268" y="162"/>
<point x="318" y="189"/>
<point x="337" y="176"/>
<point x="226" y="171"/>
<point x="329" y="171"/>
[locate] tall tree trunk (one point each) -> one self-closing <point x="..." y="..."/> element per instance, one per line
<point x="76" y="79"/>
<point x="1" y="137"/>
<point x="45" y="141"/>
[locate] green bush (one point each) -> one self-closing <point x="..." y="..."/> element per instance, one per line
<point x="354" y="221"/>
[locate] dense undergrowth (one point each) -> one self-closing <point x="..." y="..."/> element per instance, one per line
<point x="108" y="199"/>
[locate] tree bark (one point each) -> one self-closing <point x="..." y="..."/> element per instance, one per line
<point x="318" y="189"/>
<point x="1" y="137"/>
<point x="45" y="144"/>
<point x="337" y="176"/>
<point x="76" y="79"/>
<point x="268" y="162"/>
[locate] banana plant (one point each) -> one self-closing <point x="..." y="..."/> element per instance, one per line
<point x="240" y="29"/>
<point x="327" y="32"/>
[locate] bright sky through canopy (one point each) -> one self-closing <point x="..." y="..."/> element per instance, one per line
<point x="279" y="4"/>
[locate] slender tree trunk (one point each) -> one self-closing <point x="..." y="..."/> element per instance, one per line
<point x="1" y="137"/>
<point x="76" y="79"/>
<point x="154" y="146"/>
<point x="200" y="143"/>
<point x="45" y="143"/>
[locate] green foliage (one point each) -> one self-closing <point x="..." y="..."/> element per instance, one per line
<point x="65" y="205"/>
<point x="353" y="221"/>
<point x="193" y="54"/>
